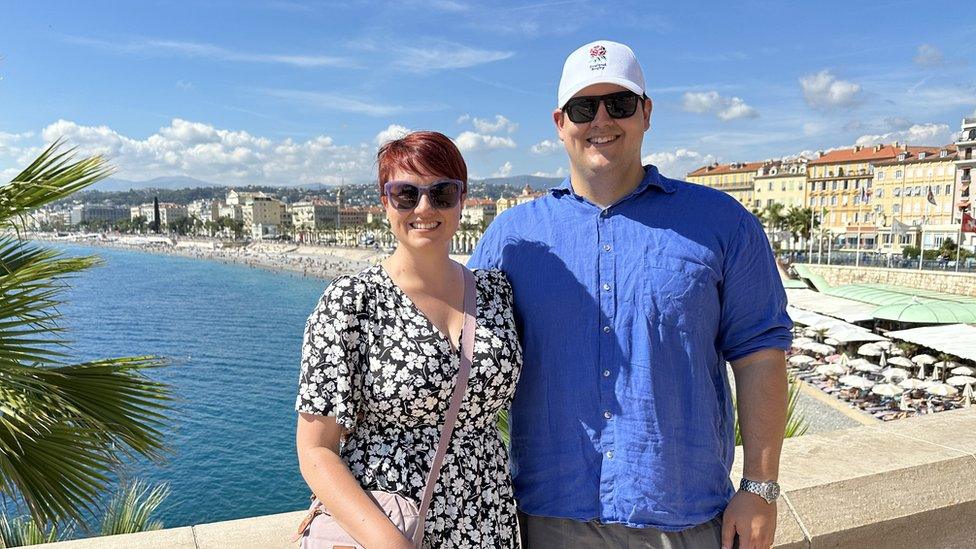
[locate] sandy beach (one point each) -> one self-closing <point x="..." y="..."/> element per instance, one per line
<point x="326" y="262"/>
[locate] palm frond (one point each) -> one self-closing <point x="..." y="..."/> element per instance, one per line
<point x="796" y="422"/>
<point x="22" y="531"/>
<point x="131" y="509"/>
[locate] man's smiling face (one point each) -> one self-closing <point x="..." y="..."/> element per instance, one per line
<point x="600" y="144"/>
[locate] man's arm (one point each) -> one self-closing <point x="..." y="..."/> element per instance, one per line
<point x="761" y="393"/>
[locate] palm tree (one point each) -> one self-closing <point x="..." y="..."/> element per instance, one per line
<point x="796" y="422"/>
<point x="64" y="427"/>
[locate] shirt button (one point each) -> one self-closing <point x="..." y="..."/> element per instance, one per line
<point x="606" y="329"/>
<point x="606" y="287"/>
<point x="607" y="414"/>
<point x="606" y="373"/>
<point x="606" y="247"/>
<point x="610" y="454"/>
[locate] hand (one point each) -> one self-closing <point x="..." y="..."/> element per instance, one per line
<point x="752" y="518"/>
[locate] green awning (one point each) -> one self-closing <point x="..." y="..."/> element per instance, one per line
<point x="928" y="312"/>
<point x="794" y="283"/>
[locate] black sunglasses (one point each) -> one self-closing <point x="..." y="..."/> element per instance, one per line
<point x="619" y="105"/>
<point x="443" y="195"/>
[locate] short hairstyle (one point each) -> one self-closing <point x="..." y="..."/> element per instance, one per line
<point x="421" y="153"/>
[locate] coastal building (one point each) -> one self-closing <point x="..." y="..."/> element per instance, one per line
<point x="315" y="214"/>
<point x="168" y="213"/>
<point x="88" y="213"/>
<point x="262" y="210"/>
<point x="232" y="211"/>
<point x="353" y="217"/>
<point x="527" y="195"/>
<point x="737" y="179"/>
<point x="913" y="198"/>
<point x="242" y="198"/>
<point x="965" y="165"/>
<point x="204" y="210"/>
<point x="781" y="182"/>
<point x="840" y="182"/>
<point x="478" y="210"/>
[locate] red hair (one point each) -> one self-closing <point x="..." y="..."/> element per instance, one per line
<point x="421" y="153"/>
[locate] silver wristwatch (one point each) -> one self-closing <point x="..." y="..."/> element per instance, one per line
<point x="768" y="490"/>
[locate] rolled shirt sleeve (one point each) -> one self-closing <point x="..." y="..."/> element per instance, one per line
<point x="753" y="309"/>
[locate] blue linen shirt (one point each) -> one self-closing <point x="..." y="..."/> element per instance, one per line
<point x="627" y="314"/>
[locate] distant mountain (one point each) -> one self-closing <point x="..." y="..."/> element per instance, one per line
<point x="113" y="184"/>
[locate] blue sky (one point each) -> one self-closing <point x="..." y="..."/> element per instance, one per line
<point x="294" y="91"/>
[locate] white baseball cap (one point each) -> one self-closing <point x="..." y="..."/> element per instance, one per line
<point x="600" y="62"/>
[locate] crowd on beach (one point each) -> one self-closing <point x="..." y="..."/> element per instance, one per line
<point x="880" y="378"/>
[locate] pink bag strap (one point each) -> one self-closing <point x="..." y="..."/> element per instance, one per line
<point x="464" y="372"/>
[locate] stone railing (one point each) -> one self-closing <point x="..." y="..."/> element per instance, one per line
<point x="909" y="483"/>
<point x="939" y="281"/>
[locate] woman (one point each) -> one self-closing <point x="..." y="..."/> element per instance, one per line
<point x="379" y="361"/>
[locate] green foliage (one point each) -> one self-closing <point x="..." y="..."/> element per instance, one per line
<point x="796" y="424"/>
<point x="64" y="427"/>
<point x="910" y="252"/>
<point x="131" y="509"/>
<point x="503" y="427"/>
<point x="22" y="531"/>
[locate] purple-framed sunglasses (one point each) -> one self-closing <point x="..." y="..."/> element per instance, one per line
<point x="443" y="194"/>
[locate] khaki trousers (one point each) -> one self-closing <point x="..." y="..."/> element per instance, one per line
<point x="559" y="533"/>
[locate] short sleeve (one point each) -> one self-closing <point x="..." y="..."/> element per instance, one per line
<point x="333" y="349"/>
<point x="753" y="299"/>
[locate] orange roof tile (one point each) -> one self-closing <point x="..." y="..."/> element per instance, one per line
<point x="867" y="153"/>
<point x="714" y="169"/>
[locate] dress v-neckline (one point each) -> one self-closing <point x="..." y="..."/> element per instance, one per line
<point x="455" y="349"/>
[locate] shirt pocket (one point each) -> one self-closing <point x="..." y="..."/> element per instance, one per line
<point x="673" y="291"/>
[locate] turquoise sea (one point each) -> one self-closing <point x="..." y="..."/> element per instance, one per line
<point x="233" y="334"/>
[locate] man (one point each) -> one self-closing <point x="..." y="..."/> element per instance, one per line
<point x="632" y="290"/>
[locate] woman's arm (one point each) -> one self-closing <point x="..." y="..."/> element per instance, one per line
<point x="330" y="480"/>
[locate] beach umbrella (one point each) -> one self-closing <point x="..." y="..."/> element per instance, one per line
<point x="869" y="349"/>
<point x="831" y="341"/>
<point x="901" y="362"/>
<point x="832" y="358"/>
<point x="967" y="396"/>
<point x="809" y="332"/>
<point x="856" y="381"/>
<point x="911" y="384"/>
<point x="883" y="361"/>
<point x="801" y="340"/>
<point x="895" y="373"/>
<point x="895" y="351"/>
<point x="798" y="360"/>
<point x="820" y="348"/>
<point x="959" y="381"/>
<point x="941" y="389"/>
<point x="963" y="371"/>
<point x="924" y="359"/>
<point x="862" y="365"/>
<point x="921" y="371"/>
<point x="831" y="370"/>
<point x="887" y="389"/>
<point x="885" y="345"/>
<point x="947" y="364"/>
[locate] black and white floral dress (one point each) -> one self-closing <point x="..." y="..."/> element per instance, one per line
<point x="373" y="360"/>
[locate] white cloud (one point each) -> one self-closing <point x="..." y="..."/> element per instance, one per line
<point x="560" y="172"/>
<point x="811" y="129"/>
<point x="929" y="56"/>
<point x="393" y="131"/>
<point x="222" y="156"/>
<point x="464" y="118"/>
<point x="499" y="124"/>
<point x="546" y="146"/>
<point x="679" y="162"/>
<point x="471" y="141"/>
<point x="332" y="102"/>
<point x="824" y="91"/>
<point x="504" y="171"/>
<point x="726" y="108"/>
<point x="211" y="51"/>
<point x="445" y="55"/>
<point x="184" y="85"/>
<point x="919" y="134"/>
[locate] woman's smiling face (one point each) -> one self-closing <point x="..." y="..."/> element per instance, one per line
<point x="423" y="226"/>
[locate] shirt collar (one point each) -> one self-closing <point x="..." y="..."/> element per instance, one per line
<point x="651" y="178"/>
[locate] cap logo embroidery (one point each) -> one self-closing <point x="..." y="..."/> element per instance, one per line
<point x="598" y="58"/>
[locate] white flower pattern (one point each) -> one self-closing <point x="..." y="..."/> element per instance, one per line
<point x="373" y="361"/>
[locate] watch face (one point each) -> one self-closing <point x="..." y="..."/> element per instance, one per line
<point x="773" y="491"/>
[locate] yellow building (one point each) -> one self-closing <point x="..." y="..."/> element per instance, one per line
<point x="736" y="179"/>
<point x="781" y="183"/>
<point x="916" y="188"/>
<point x="527" y="195"/>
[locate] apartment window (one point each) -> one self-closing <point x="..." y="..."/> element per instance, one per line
<point x="823" y="184"/>
<point x="813" y="201"/>
<point x="948" y="190"/>
<point x="880" y="175"/>
<point x="895" y="208"/>
<point x="783" y="187"/>
<point x="833" y="185"/>
<point x="846" y="182"/>
<point x="897" y="174"/>
<point x="857" y="200"/>
<point x="918" y="190"/>
<point x="880" y="193"/>
<point x="843" y="218"/>
<point x="937" y="191"/>
<point x="770" y="185"/>
<point x="833" y="200"/>
<point x="896" y="191"/>
<point x="845" y="199"/>
<point x="823" y="200"/>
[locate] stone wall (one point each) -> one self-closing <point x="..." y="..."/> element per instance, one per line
<point x="905" y="484"/>
<point x="948" y="282"/>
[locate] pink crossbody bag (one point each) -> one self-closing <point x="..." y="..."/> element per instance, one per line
<point x="319" y="529"/>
